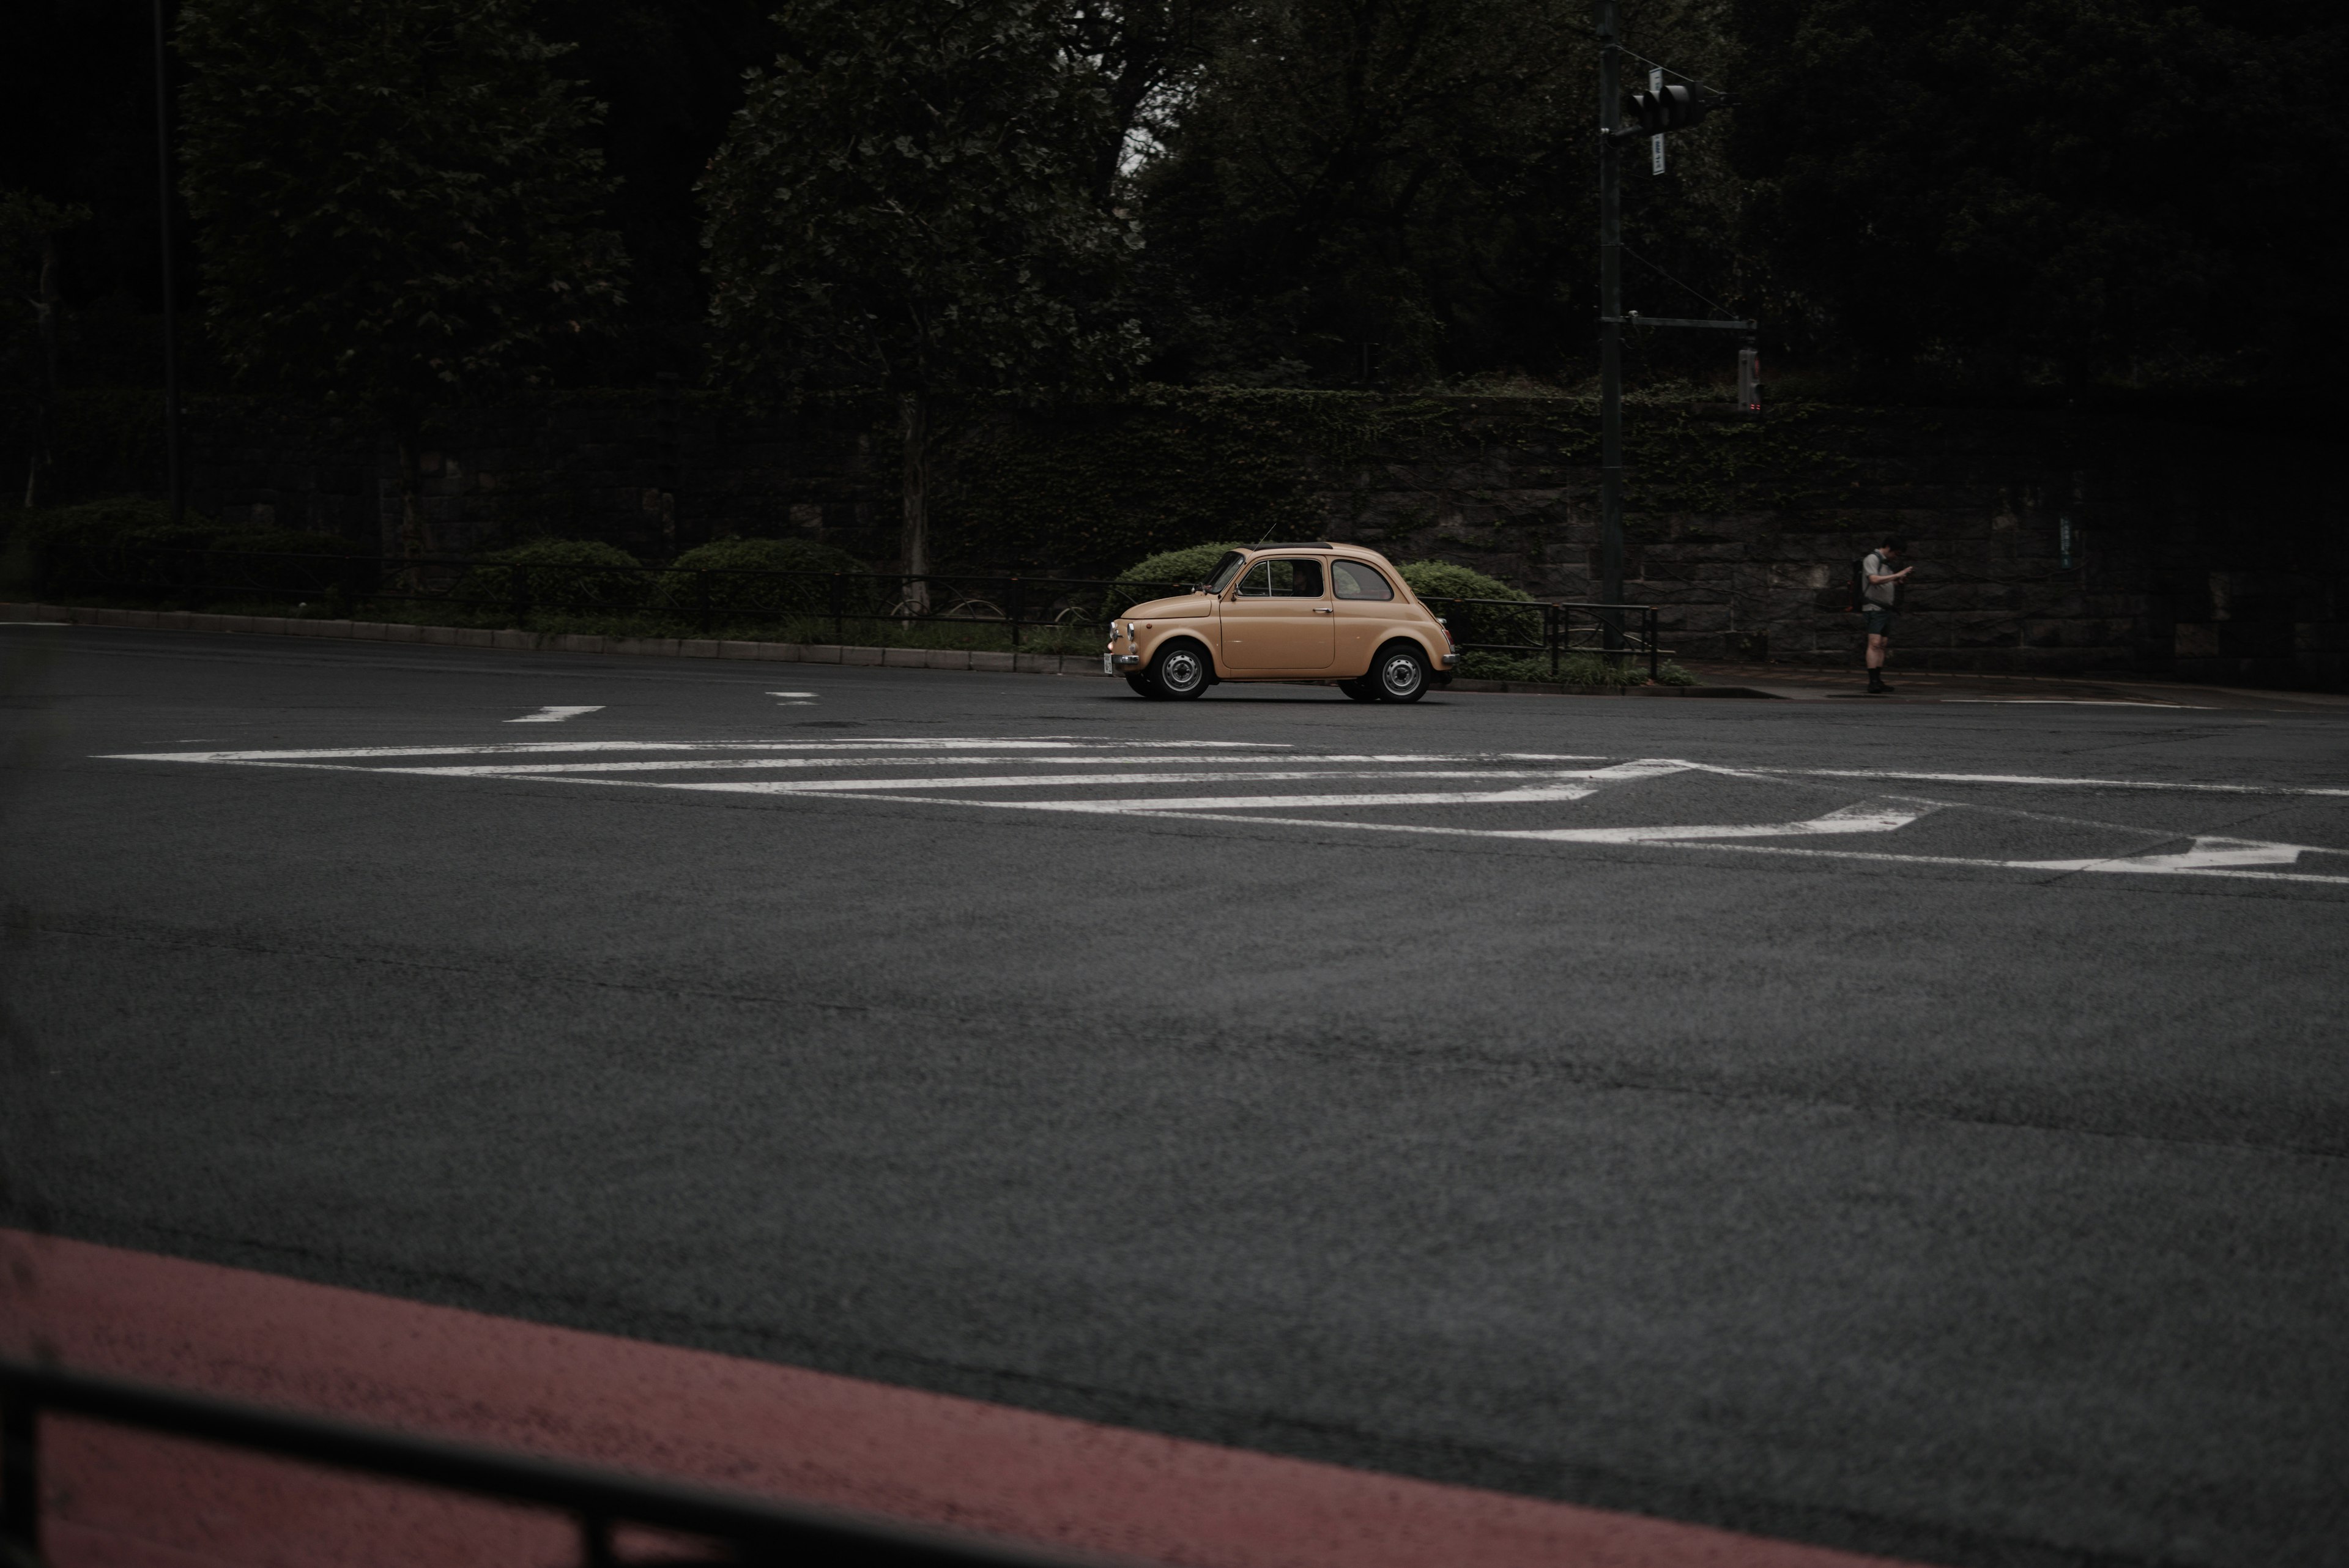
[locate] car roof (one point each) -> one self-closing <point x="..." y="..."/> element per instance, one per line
<point x="1362" y="550"/>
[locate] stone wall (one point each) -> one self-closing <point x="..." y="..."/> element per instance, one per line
<point x="2201" y="547"/>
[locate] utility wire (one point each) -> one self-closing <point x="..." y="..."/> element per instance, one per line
<point x="1667" y="70"/>
<point x="1710" y="304"/>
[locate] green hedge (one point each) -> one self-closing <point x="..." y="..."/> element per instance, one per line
<point x="1192" y="563"/>
<point x="599" y="577"/>
<point x="1442" y="580"/>
<point x="130" y="545"/>
<point x="680" y="587"/>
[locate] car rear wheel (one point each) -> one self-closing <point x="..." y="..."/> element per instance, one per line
<point x="1181" y="671"/>
<point x="1363" y="691"/>
<point x="1400" y="673"/>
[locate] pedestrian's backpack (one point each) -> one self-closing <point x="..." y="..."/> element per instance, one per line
<point x="1859" y="600"/>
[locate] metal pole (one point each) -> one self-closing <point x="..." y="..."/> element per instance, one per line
<point x="1610" y="328"/>
<point x="171" y="302"/>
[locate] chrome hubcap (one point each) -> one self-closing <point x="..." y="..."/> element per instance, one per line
<point x="1181" y="671"/>
<point x="1400" y="675"/>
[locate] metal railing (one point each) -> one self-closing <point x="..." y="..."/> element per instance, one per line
<point x="708" y="597"/>
<point x="703" y="597"/>
<point x="1553" y="630"/>
<point x="745" y="1529"/>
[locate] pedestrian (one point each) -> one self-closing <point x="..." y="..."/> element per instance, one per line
<point x="1880" y="576"/>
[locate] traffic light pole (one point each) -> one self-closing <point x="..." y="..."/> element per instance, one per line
<point x="1610" y="320"/>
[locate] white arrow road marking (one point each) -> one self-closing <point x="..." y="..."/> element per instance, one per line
<point x="2208" y="854"/>
<point x="555" y="715"/>
<point x="1876" y="818"/>
<point x="1251" y="766"/>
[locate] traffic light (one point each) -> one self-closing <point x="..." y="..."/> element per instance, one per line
<point x="1673" y="108"/>
<point x="1749" y="380"/>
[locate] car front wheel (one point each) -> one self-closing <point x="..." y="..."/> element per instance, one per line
<point x="1181" y="670"/>
<point x="1142" y="686"/>
<point x="1400" y="673"/>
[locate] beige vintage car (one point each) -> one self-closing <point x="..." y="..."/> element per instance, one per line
<point x="1313" y="611"/>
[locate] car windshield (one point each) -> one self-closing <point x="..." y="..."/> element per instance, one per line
<point x="1226" y="570"/>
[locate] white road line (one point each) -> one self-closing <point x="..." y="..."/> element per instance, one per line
<point x="2058" y="782"/>
<point x="517" y="748"/>
<point x="2073" y="702"/>
<point x="555" y="715"/>
<point x="1147" y="806"/>
<point x="1690" y="843"/>
<point x="875" y="787"/>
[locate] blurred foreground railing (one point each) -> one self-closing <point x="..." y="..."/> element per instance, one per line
<point x="740" y="1530"/>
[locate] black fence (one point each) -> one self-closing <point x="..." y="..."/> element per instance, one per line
<point x="816" y="605"/>
<point x="515" y="591"/>
<point x="1553" y="630"/>
<point x="737" y="1530"/>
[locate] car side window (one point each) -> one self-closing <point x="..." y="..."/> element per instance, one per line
<point x="1284" y="579"/>
<point x="1356" y="581"/>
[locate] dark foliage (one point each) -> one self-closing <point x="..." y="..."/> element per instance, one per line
<point x="2062" y="189"/>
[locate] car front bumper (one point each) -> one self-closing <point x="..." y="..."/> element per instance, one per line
<point x="1118" y="663"/>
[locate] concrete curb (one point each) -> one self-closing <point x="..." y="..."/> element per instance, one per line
<point x="1556" y="689"/>
<point x="560" y="642"/>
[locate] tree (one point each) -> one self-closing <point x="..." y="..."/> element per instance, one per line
<point x="395" y="202"/>
<point x="1373" y="190"/>
<point x="30" y="227"/>
<point x="2073" y="188"/>
<point x="905" y="204"/>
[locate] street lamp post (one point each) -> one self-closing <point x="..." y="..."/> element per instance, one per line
<point x="1610" y="321"/>
<point x="171" y="302"/>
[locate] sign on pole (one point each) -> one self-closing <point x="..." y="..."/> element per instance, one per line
<point x="1656" y="142"/>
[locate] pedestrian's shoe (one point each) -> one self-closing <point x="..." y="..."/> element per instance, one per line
<point x="1875" y="686"/>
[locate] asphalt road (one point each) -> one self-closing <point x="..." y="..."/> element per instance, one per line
<point x="1957" y="1167"/>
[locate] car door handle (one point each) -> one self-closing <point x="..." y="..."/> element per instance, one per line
<point x="1323" y="609"/>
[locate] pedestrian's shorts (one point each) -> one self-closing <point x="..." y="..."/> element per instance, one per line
<point x="1879" y="621"/>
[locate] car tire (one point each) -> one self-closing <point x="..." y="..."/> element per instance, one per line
<point x="1400" y="673"/>
<point x="1362" y="691"/>
<point x="1142" y="686"/>
<point x="1181" y="671"/>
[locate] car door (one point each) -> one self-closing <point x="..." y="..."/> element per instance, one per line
<point x="1278" y="616"/>
<point x="1366" y="605"/>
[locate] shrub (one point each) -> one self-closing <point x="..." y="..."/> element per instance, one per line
<point x="1446" y="585"/>
<point x="1184" y="567"/>
<point x="680" y="587"/>
<point x="100" y="545"/>
<point x="565" y="574"/>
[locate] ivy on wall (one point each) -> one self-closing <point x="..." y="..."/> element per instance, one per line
<point x="1171" y="466"/>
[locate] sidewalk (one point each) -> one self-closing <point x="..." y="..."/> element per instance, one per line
<point x="1806" y="683"/>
